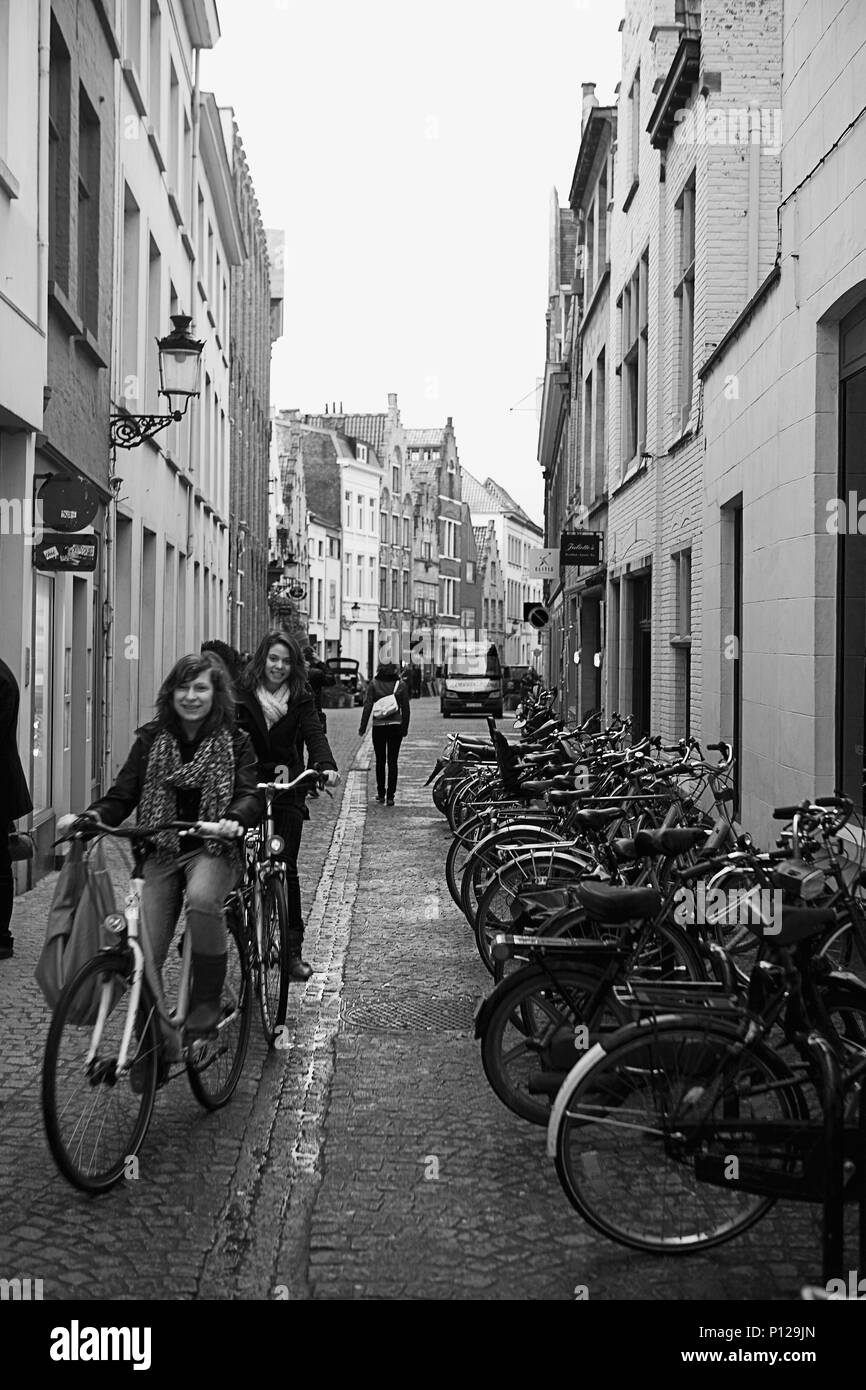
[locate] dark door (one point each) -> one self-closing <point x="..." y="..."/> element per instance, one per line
<point x="642" y="655"/>
<point x="371" y="639"/>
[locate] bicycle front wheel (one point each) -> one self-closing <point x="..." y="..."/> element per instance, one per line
<point x="96" y="1116"/>
<point x="274" y="956"/>
<point x="658" y="1104"/>
<point x="214" y="1066"/>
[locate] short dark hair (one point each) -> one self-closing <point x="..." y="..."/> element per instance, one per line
<point x="232" y="659"/>
<point x="184" y="671"/>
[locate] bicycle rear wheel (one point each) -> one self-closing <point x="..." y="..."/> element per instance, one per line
<point x="95" y="1117"/>
<point x="637" y="1120"/>
<point x="214" y="1066"/>
<point x="274" y="960"/>
<point x="534" y="1034"/>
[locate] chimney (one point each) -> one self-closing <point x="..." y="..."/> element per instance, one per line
<point x="589" y="101"/>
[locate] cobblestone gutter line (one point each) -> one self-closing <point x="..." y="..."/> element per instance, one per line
<point x="261" y="1246"/>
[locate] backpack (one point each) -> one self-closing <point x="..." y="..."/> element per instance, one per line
<point x="387" y="706"/>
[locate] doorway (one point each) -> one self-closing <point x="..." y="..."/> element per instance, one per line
<point x="641" y="695"/>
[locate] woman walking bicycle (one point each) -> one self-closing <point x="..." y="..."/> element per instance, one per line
<point x="277" y="709"/>
<point x="390" y="725"/>
<point x="190" y="763"/>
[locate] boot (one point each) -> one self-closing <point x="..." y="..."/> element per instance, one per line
<point x="208" y="978"/>
<point x="298" y="969"/>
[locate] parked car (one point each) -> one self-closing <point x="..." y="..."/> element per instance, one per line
<point x="350" y="686"/>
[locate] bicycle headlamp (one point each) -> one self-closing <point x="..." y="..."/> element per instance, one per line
<point x="276" y="844"/>
<point x="114" y="922"/>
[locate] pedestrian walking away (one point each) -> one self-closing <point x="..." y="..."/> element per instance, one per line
<point x="14" y="800"/>
<point x="318" y="676"/>
<point x="390" y="725"/>
<point x="276" y="707"/>
<point x="190" y="763"/>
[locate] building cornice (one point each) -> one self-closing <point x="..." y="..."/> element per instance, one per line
<point x="219" y="176"/>
<point x="682" y="76"/>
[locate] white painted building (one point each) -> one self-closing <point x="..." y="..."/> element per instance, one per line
<point x="360" y="484"/>
<point x="325" y="571"/>
<point x="178" y="235"/>
<point x="516" y="534"/>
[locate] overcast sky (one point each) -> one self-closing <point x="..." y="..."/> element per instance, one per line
<point x="408" y="151"/>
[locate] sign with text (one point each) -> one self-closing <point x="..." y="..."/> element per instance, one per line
<point x="67" y="504"/>
<point x="543" y="562"/>
<point x="58" y="552"/>
<point x="580" y="548"/>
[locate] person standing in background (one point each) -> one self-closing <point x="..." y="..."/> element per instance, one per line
<point x="14" y="799"/>
<point x="389" y="730"/>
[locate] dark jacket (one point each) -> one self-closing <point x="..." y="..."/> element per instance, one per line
<point x="246" y="806"/>
<point x="385" y="682"/>
<point x="318" y="676"/>
<point x="14" y="794"/>
<point x="279" y="745"/>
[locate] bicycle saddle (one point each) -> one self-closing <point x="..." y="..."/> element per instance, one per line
<point x="606" y="903"/>
<point x="595" y="820"/>
<point x="668" y="842"/>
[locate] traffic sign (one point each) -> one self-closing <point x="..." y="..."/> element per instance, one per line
<point x="536" y="614"/>
<point x="543" y="562"/>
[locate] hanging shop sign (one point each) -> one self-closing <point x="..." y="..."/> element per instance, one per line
<point x="580" y="548"/>
<point x="67" y="504"/>
<point x="59" y="552"/>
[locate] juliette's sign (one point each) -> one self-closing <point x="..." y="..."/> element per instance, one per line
<point x="58" y="552"/>
<point x="579" y="547"/>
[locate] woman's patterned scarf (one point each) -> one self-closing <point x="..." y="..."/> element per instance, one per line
<point x="275" y="704"/>
<point x="212" y="771"/>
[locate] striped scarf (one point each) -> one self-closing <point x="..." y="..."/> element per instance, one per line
<point x="212" y="771"/>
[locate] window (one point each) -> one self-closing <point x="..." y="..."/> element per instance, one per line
<point x="383" y="587"/>
<point x="395" y="588"/>
<point x="406" y="537"/>
<point x="332" y="598"/>
<point x="88" y="212"/>
<point x="426" y="551"/>
<point x="320" y="549"/>
<point x="361" y="452"/>
<point x="154" y="330"/>
<point x="450" y="539"/>
<point x="684" y="293"/>
<point x="59" y="95"/>
<point x="372" y="501"/>
<point x="360" y="589"/>
<point x="634" y="129"/>
<point x="360" y="501"/>
<point x="348" y="581"/>
<point x="395" y="478"/>
<point x="332" y="547"/>
<point x="598" y="479"/>
<point x="470" y="572"/>
<point x="395" y="529"/>
<point x="633" y="364"/>
<point x="155" y="65"/>
<point x="586" y="461"/>
<point x="447" y="597"/>
<point x="348" y="510"/>
<point x="589" y="253"/>
<point x="372" y="571"/>
<point x="383" y="527"/>
<point x="406" y="589"/>
<point x="174" y="144"/>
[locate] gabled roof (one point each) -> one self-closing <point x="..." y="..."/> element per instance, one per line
<point x="424" y="439"/>
<point x="370" y="429"/>
<point x="491" y="496"/>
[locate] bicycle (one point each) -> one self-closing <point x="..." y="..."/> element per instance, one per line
<point x="264" y="908"/>
<point x="111" y="1042"/>
<point x="681" y="1130"/>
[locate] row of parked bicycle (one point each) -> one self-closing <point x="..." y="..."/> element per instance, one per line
<point x="685" y="1012"/>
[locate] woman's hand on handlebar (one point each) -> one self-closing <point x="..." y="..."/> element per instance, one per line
<point x="330" y="776"/>
<point x="219" y="830"/>
<point x="75" y="818"/>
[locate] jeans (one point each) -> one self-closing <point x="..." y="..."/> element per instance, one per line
<point x="386" y="741"/>
<point x="289" y="823"/>
<point x="208" y="879"/>
<point x="7" y="887"/>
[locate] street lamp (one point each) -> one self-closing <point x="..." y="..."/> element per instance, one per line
<point x="179" y="376"/>
<point x="355" y="611"/>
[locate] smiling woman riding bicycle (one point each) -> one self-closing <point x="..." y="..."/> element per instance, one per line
<point x="190" y="763"/>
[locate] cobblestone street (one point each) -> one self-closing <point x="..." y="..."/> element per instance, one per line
<point x="370" y="1159"/>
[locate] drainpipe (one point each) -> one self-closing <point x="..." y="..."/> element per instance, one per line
<point x="42" y="165"/>
<point x="193" y="298"/>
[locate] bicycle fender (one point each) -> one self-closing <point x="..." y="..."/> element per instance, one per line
<point x="482" y="1016"/>
<point x="586" y="1062"/>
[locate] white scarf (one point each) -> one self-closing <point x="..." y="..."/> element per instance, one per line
<point x="275" y="704"/>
